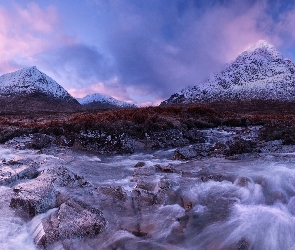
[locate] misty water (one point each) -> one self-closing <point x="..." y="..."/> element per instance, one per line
<point x="242" y="204"/>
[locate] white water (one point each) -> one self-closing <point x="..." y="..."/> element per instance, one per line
<point x="252" y="208"/>
<point x="14" y="232"/>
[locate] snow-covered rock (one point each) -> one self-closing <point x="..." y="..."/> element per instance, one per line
<point x="260" y="73"/>
<point x="104" y="99"/>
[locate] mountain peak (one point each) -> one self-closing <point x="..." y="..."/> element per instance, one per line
<point x="261" y="44"/>
<point x="260" y="72"/>
<point x="261" y="49"/>
<point x="30" y="80"/>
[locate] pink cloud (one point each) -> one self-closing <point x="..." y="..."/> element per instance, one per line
<point x="25" y="32"/>
<point x="112" y="88"/>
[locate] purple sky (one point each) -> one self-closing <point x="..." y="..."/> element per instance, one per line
<point x="140" y="51"/>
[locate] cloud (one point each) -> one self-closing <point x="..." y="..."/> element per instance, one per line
<point x="25" y="31"/>
<point x="112" y="88"/>
<point x="77" y="65"/>
<point x="162" y="47"/>
<point x="140" y="51"/>
<point x="156" y="48"/>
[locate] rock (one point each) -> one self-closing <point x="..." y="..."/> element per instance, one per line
<point x="240" y="146"/>
<point x="40" y="141"/>
<point x="34" y="197"/>
<point x="117" y="193"/>
<point x="13" y="172"/>
<point x="139" y="164"/>
<point x="143" y="198"/>
<point x="40" y="194"/>
<point x="200" y="150"/>
<point x="146" y="184"/>
<point x="73" y="219"/>
<point x="212" y="177"/>
<point x="166" y="169"/>
<point x="147" y="171"/>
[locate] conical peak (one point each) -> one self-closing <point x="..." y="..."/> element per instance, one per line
<point x="262" y="49"/>
<point x="33" y="68"/>
<point x="262" y="44"/>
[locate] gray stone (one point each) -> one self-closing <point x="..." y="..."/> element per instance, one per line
<point x="73" y="219"/>
<point x="40" y="194"/>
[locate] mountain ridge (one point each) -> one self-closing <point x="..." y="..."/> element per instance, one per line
<point x="260" y="72"/>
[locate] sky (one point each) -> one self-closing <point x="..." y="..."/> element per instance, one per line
<point x="139" y="51"/>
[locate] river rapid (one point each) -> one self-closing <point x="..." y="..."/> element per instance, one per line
<point x="214" y="203"/>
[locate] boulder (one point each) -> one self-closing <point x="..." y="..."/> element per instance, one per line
<point x="40" y="194"/>
<point x="73" y="219"/>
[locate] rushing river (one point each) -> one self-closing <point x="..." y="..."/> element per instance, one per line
<point x="223" y="204"/>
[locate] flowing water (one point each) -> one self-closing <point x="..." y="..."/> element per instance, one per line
<point x="245" y="204"/>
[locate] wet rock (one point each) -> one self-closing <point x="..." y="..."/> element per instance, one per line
<point x="117" y="193"/>
<point x="139" y="164"/>
<point x="142" y="198"/>
<point x="40" y="141"/>
<point x="166" y="169"/>
<point x="201" y="150"/>
<point x="12" y="172"/>
<point x="167" y="139"/>
<point x="240" y="146"/>
<point x="147" y="171"/>
<point x="243" y="244"/>
<point x="34" y="198"/>
<point x="219" y="148"/>
<point x="104" y="142"/>
<point x="40" y="194"/>
<point x="73" y="219"/>
<point x="187" y="200"/>
<point x="243" y="181"/>
<point x="146" y="184"/>
<point x="167" y="184"/>
<point x="64" y="141"/>
<point x="212" y="177"/>
<point x="271" y="146"/>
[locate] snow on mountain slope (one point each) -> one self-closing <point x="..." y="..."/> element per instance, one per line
<point x="104" y="99"/>
<point x="30" y="80"/>
<point x="260" y="72"/>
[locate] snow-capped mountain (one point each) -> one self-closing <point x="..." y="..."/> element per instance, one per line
<point x="29" y="89"/>
<point x="99" y="100"/>
<point x="259" y="73"/>
<point x="28" y="81"/>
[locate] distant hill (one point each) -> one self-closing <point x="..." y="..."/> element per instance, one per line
<point x="99" y="101"/>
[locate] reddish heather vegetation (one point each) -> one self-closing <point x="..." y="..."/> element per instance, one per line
<point x="123" y="131"/>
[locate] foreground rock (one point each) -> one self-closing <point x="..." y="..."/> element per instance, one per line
<point x="73" y="219"/>
<point x="191" y="152"/>
<point x="12" y="171"/>
<point x="41" y="194"/>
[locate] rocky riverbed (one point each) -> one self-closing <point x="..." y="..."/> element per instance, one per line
<point x="231" y="190"/>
